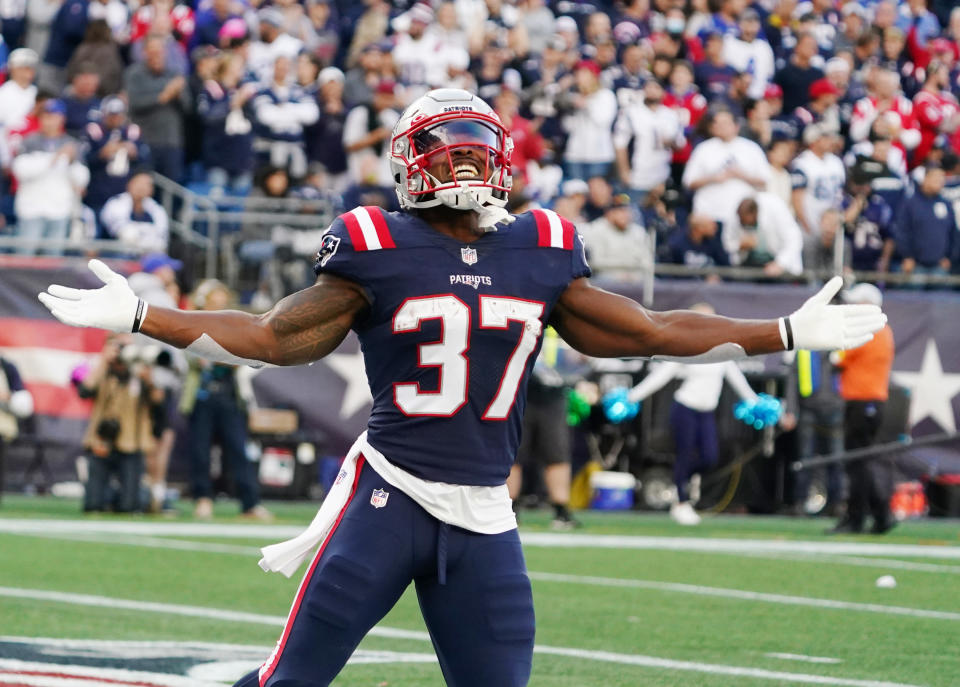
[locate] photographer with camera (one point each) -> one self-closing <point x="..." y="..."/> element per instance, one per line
<point x="121" y="424"/>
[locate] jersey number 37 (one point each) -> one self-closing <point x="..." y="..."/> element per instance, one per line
<point x="450" y="353"/>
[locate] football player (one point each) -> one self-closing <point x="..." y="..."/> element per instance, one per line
<point x="450" y="298"/>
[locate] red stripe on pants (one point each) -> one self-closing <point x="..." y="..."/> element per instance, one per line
<point x="267" y="670"/>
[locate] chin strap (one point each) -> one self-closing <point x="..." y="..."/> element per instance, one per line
<point x="490" y="215"/>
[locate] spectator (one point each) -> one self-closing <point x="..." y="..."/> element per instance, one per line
<point x="227" y="143"/>
<point x="40" y="15"/>
<point x="321" y="32"/>
<point x="927" y="229"/>
<point x="16" y="404"/>
<point x="117" y="15"/>
<point x="590" y="112"/>
<point x="18" y="94"/>
<point x="210" y="20"/>
<point x="631" y="74"/>
<point x="937" y="111"/>
<point x="177" y="60"/>
<point x="698" y="244"/>
<point x="888" y="112"/>
<point x="818" y="177"/>
<point x="828" y="252"/>
<point x="50" y="178"/>
<point x="764" y="234"/>
<point x="618" y="246"/>
<point x="528" y="145"/>
<point x="361" y="81"/>
<point x="571" y="202"/>
<point x="599" y="197"/>
<point x="713" y="74"/>
<point x="273" y="43"/>
<point x="369" y="28"/>
<point x="156" y="283"/>
<point x="758" y="126"/>
<point x="813" y="402"/>
<point x="115" y="151"/>
<point x="136" y="219"/>
<point x="158" y="100"/>
<point x="120" y="428"/>
<point x="724" y="169"/>
<point x="822" y="108"/>
<point x="690" y="105"/>
<point x="422" y="57"/>
<point x="98" y="52"/>
<point x="66" y="32"/>
<point x="165" y="17"/>
<point x="779" y="154"/>
<point x="864" y="385"/>
<point x="324" y="140"/>
<point x="796" y="77"/>
<point x="851" y="27"/>
<point x="868" y="219"/>
<point x="750" y="53"/>
<point x="366" y="133"/>
<point x="214" y="401"/>
<point x="281" y="111"/>
<point x="655" y="132"/>
<point x="81" y="99"/>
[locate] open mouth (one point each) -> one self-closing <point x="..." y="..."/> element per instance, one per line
<point x="466" y="169"/>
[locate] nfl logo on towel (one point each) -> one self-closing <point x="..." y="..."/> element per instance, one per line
<point x="379" y="498"/>
<point x="469" y="255"/>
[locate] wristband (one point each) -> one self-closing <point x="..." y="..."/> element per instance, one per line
<point x="786" y="333"/>
<point x="140" y="315"/>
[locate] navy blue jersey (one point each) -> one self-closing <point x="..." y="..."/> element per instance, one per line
<point x="452" y="332"/>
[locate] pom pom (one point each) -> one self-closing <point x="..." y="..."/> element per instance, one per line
<point x="618" y="407"/>
<point x="578" y="408"/>
<point x="765" y="412"/>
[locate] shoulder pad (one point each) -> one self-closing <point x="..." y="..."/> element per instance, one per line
<point x="553" y="231"/>
<point x="367" y="226"/>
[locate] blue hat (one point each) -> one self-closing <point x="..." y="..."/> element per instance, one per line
<point x="154" y="261"/>
<point x="55" y="106"/>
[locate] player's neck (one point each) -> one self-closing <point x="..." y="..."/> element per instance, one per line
<point x="459" y="224"/>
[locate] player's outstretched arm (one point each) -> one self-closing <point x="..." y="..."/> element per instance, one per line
<point x="604" y="324"/>
<point x="302" y="327"/>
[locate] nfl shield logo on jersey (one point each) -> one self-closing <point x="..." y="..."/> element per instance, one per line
<point x="379" y="498"/>
<point x="469" y="255"/>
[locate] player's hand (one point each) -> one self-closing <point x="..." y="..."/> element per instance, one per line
<point x="819" y="326"/>
<point x="113" y="306"/>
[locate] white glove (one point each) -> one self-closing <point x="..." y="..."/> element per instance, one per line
<point x="113" y="306"/>
<point x="818" y="326"/>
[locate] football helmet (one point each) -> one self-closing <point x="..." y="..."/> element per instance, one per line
<point x="428" y="159"/>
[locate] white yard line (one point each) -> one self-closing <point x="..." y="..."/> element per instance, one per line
<point x="10" y="669"/>
<point x="154" y="542"/>
<point x="209" y="547"/>
<point x="803" y="658"/>
<point x="271" y="533"/>
<point x="742" y="595"/>
<point x="604" y="656"/>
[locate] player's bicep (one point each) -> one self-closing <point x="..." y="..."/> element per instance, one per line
<point x="309" y="324"/>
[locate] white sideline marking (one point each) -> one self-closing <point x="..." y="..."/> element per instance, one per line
<point x="208" y="547"/>
<point x="153" y="542"/>
<point x="396" y="633"/>
<point x="803" y="657"/>
<point x="743" y="595"/>
<point x="544" y="539"/>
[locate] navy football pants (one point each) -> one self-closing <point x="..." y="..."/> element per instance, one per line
<point x="473" y="590"/>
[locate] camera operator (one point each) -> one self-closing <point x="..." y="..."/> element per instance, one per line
<point x="121" y="424"/>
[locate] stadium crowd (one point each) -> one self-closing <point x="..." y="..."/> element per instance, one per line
<point x="703" y="133"/>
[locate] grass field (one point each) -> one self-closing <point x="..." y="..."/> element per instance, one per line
<point x="743" y="601"/>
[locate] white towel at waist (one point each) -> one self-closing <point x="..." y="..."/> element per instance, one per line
<point x="486" y="510"/>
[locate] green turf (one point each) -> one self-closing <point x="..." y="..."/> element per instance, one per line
<point x="649" y="622"/>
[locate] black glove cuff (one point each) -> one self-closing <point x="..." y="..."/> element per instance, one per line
<point x="141" y="307"/>
<point x="788" y="328"/>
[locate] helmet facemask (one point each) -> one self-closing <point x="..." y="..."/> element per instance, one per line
<point x="441" y="171"/>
